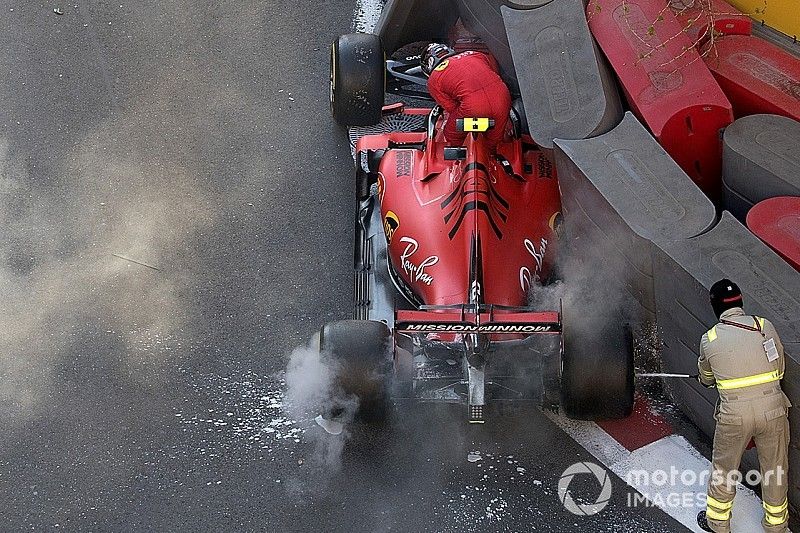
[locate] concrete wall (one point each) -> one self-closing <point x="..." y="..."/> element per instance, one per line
<point x="621" y="191"/>
<point x="684" y="270"/>
<point x="633" y="212"/>
<point x="407" y="21"/>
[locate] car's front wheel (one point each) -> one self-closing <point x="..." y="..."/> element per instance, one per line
<point x="358" y="79"/>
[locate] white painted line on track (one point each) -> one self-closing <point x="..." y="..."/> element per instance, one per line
<point x="671" y="453"/>
<point x="367" y="14"/>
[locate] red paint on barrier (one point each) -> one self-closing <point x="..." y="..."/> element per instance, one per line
<point x="666" y="83"/>
<point x="696" y="16"/>
<point x="757" y="76"/>
<point x="776" y="221"/>
<point x="643" y="427"/>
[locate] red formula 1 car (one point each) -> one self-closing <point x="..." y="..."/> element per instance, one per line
<point x="452" y="243"/>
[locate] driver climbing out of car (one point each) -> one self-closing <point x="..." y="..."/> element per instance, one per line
<point x="467" y="85"/>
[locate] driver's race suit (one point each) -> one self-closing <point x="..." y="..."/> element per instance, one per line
<point x="469" y="85"/>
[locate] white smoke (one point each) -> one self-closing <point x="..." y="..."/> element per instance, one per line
<point x="312" y="392"/>
<point x="60" y="265"/>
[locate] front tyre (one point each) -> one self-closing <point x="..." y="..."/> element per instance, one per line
<point x="358" y="79"/>
<point x="361" y="350"/>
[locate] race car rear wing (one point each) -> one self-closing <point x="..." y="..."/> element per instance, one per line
<point x="490" y="319"/>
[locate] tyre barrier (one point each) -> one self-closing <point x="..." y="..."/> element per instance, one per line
<point x="566" y="87"/>
<point x="622" y="190"/>
<point x="760" y="160"/>
<point x="666" y="84"/>
<point x="755" y="75"/>
<point x="776" y="221"/>
<point x="683" y="273"/>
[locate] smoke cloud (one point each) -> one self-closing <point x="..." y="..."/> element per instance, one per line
<point x="61" y="268"/>
<point x="81" y="190"/>
<point x="312" y="392"/>
<point x="590" y="284"/>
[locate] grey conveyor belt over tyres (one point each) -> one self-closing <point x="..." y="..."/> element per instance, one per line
<point x="683" y="272"/>
<point x="760" y="160"/>
<point x="621" y="191"/>
<point x="565" y="84"/>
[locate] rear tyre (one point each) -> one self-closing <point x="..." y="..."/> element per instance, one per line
<point x="358" y="79"/>
<point x="597" y="372"/>
<point x="361" y="350"/>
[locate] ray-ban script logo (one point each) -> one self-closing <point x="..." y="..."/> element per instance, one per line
<point x="416" y="272"/>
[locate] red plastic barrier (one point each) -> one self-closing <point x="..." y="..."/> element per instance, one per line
<point x="696" y="15"/>
<point x="776" y="221"/>
<point x="666" y="83"/>
<point x="757" y="76"/>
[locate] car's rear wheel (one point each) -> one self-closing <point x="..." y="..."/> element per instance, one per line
<point x="358" y="79"/>
<point x="361" y="350"/>
<point x="597" y="370"/>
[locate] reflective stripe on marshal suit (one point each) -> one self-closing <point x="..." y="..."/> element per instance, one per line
<point x="749" y="381"/>
<point x="712" y="333"/>
<point x="718" y="510"/>
<point x="776" y="515"/>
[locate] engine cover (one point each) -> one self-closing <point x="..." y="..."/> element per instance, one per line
<point x="482" y="230"/>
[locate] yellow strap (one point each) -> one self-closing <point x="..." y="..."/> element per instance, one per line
<point x="750" y="381"/>
<point x="718" y="504"/>
<point x="712" y="334"/>
<point x="776" y="509"/>
<point x="716" y="515"/>
<point x="775" y="520"/>
<point x="760" y="321"/>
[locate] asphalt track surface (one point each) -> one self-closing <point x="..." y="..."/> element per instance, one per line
<point x="176" y="217"/>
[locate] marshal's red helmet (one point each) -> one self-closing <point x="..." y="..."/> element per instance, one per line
<point x="434" y="54"/>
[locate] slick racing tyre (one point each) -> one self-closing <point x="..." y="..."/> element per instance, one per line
<point x="361" y="351"/>
<point x="358" y="79"/>
<point x="597" y="370"/>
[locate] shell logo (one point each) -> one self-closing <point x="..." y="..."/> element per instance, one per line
<point x="390" y="225"/>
